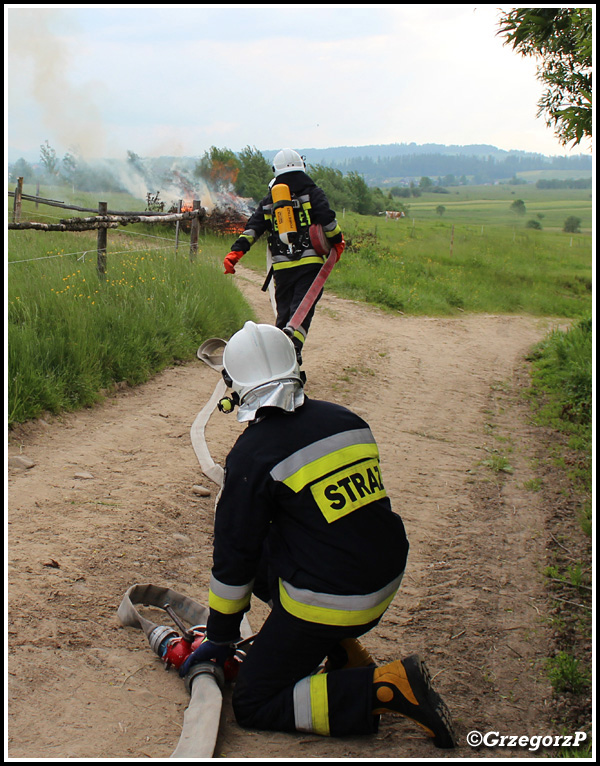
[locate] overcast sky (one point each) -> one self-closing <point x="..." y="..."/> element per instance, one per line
<point x="177" y="79"/>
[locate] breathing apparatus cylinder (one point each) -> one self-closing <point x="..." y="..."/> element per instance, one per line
<point x="284" y="214"/>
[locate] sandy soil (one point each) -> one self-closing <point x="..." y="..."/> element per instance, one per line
<point x="441" y="396"/>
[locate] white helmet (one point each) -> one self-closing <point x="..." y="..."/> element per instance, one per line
<point x="287" y="160"/>
<point x="259" y="354"/>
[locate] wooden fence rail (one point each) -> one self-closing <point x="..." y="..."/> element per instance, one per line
<point x="58" y="203"/>
<point x="104" y="220"/>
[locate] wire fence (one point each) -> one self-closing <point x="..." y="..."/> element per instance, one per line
<point x="101" y="222"/>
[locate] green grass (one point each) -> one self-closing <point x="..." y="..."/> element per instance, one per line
<point x="491" y="206"/>
<point x="72" y="333"/>
<point x="566" y="674"/>
<point x="69" y="338"/>
<point x="561" y="394"/>
<point x="432" y="270"/>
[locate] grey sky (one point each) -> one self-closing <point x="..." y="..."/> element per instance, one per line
<point x="178" y="79"/>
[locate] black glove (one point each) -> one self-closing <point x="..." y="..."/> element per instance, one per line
<point x="207" y="652"/>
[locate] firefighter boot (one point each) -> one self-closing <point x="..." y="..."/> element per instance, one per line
<point x="404" y="687"/>
<point x="349" y="653"/>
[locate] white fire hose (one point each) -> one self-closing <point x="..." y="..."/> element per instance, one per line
<point x="211" y="353"/>
<point x="204" y="681"/>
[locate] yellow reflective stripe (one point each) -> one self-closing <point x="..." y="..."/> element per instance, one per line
<point x="228" y="599"/>
<point x="329" y="463"/>
<point x="227" y="606"/>
<point x="333" y="232"/>
<point x="299" y="262"/>
<point x="328" y="616"/>
<point x="346" y="490"/>
<point x="306" y="207"/>
<point x="299" y="336"/>
<point x="319" y="704"/>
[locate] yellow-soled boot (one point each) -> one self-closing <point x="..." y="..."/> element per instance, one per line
<point x="349" y="653"/>
<point x="404" y="687"/>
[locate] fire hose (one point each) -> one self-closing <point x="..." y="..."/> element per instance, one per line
<point x="312" y="293"/>
<point x="205" y="680"/>
<point x="211" y="352"/>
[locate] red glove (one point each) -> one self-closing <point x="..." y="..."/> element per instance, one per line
<point x="230" y="260"/>
<point x="339" y="249"/>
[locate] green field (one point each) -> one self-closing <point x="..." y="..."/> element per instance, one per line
<point x="72" y="334"/>
<point x="491" y="205"/>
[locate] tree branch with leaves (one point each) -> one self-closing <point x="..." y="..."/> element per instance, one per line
<point x="562" y="38"/>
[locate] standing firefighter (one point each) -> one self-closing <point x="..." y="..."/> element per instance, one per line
<point x="293" y="203"/>
<point x="304" y="523"/>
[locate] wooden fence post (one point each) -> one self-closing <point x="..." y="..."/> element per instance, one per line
<point x="37" y="194"/>
<point x="179" y="204"/>
<point x="102" y="237"/>
<point x="194" y="231"/>
<point x="17" y="202"/>
<point x="452" y="241"/>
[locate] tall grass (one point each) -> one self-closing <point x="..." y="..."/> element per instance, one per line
<point x="72" y="334"/>
<point x="432" y="270"/>
<point x="561" y="391"/>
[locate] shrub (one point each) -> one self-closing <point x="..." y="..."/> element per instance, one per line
<point x="572" y="224"/>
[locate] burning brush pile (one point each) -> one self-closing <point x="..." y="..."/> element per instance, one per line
<point x="228" y="220"/>
<point x="225" y="212"/>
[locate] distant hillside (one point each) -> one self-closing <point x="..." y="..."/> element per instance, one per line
<point x="341" y="154"/>
<point x="389" y="164"/>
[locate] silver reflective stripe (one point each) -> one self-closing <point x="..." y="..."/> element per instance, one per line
<point x="230" y="592"/>
<point x="309" y="252"/>
<point x="302" y="707"/>
<point x="330" y="226"/>
<point x="342" y="603"/>
<point x="319" y="449"/>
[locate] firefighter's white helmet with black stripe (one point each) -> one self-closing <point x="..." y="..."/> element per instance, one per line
<point x="257" y="355"/>
<point x="286" y="161"/>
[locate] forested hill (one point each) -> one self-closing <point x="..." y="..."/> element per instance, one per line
<point x="481" y="163"/>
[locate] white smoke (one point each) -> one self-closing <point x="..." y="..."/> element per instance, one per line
<point x="39" y="82"/>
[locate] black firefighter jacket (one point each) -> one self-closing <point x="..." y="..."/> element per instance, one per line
<point x="307" y="485"/>
<point x="310" y="206"/>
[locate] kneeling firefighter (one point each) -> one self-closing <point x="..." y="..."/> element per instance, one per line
<point x="293" y="203"/>
<point x="305" y="524"/>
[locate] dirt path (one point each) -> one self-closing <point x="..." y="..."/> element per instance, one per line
<point x="439" y="395"/>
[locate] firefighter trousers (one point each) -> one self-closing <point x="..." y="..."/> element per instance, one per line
<point x="291" y="285"/>
<point x="277" y="688"/>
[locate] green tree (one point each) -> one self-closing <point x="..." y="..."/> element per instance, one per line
<point x="518" y="206"/>
<point x="255" y="174"/>
<point x="22" y="169"/>
<point x="69" y="168"/>
<point x="220" y="167"/>
<point x="572" y="224"/>
<point x="333" y="183"/>
<point x="440" y="210"/>
<point x="562" y="38"/>
<point x="49" y="159"/>
<point x="364" y="202"/>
